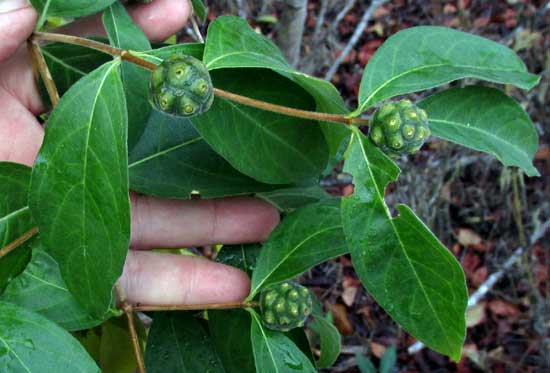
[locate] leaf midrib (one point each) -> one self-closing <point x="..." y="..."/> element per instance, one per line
<point x="477" y="129"/>
<point x="62" y="62"/>
<point x="165" y="151"/>
<point x="13" y="214"/>
<point x="283" y="259"/>
<point x="424" y="67"/>
<point x="84" y="170"/>
<point x="10" y="350"/>
<point x="266" y="339"/>
<point x="388" y="214"/>
<point x="271" y="134"/>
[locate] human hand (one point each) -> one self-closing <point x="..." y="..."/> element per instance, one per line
<point x="148" y="278"/>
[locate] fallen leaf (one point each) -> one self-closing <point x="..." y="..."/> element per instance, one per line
<point x="470" y="262"/>
<point x="468" y="237"/>
<point x="380" y="12"/>
<point x="479" y="276"/>
<point x="348" y="296"/>
<point x="350" y="282"/>
<point x="482" y="21"/>
<point x="502" y="308"/>
<point x="543" y="153"/>
<point x="347" y="190"/>
<point x="449" y="9"/>
<point x="471" y="352"/>
<point x="341" y="320"/>
<point x="368" y="49"/>
<point x="476" y="314"/>
<point x="463" y="4"/>
<point x="377" y="349"/>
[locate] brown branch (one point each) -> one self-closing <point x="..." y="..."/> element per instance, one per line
<point x="196" y="307"/>
<point x="128" y="56"/>
<point x="39" y="63"/>
<point x="338" y="118"/>
<point x="102" y="47"/>
<point x="129" y="311"/>
<point x="18" y="242"/>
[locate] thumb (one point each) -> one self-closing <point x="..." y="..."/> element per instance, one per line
<point x="17" y="19"/>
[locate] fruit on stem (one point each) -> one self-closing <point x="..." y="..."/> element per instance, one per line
<point x="399" y="128"/>
<point x="285" y="306"/>
<point x="181" y="86"/>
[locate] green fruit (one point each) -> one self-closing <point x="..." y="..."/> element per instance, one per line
<point x="285" y="306"/>
<point x="399" y="128"/>
<point x="181" y="86"/>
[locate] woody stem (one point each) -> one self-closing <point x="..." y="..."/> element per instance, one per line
<point x="128" y="56"/>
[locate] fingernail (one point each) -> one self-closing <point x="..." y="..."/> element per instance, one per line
<point x="7" y="6"/>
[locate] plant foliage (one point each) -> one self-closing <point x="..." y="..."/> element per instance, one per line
<point x="104" y="138"/>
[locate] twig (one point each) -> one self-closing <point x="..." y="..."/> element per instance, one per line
<point x="129" y="311"/>
<point x="240" y="9"/>
<point x="102" y="47"/>
<point x="196" y="307"/>
<point x="493" y="279"/>
<point x="39" y="63"/>
<point x="354" y="38"/>
<point x="128" y="56"/>
<point x="290" y="111"/>
<point x="196" y="29"/>
<point x="291" y="29"/>
<point x="340" y="16"/>
<point x="320" y="21"/>
<point x="18" y="242"/>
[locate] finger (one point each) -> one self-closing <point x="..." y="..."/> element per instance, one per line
<point x="174" y="223"/>
<point x="20" y="134"/>
<point x="17" y="18"/>
<point x="158" y="20"/>
<point x="169" y="279"/>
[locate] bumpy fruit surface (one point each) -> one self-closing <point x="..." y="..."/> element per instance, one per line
<point x="399" y="128"/>
<point x="285" y="306"/>
<point x="181" y="86"/>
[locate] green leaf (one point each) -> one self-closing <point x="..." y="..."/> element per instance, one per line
<point x="67" y="8"/>
<point x="179" y="343"/>
<point x="271" y="148"/>
<point x="68" y="63"/>
<point x="388" y="360"/>
<point x="32" y="343"/>
<point x="299" y="337"/>
<point x="116" y="351"/>
<point x="330" y="341"/>
<point x="274" y="351"/>
<point x="243" y="256"/>
<point x="400" y="262"/>
<point x="15" y="218"/>
<point x="41" y="289"/>
<point x="230" y="330"/>
<point x="172" y="160"/>
<point x="124" y="33"/>
<point x="158" y="55"/>
<point x="502" y="128"/>
<point x="288" y="199"/>
<point x="306" y="237"/>
<point x="423" y="57"/>
<point x="79" y="187"/>
<point x="232" y="43"/>
<point x="200" y="9"/>
<point x="364" y="364"/>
